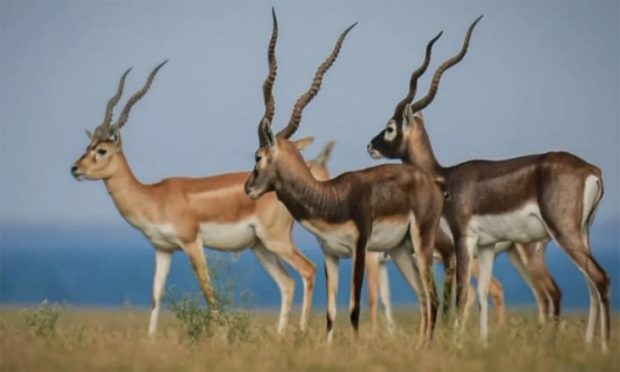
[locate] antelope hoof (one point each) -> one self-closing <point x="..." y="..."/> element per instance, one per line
<point x="420" y="344"/>
<point x="391" y="330"/>
<point x="605" y="348"/>
<point x="457" y="340"/>
<point x="330" y="337"/>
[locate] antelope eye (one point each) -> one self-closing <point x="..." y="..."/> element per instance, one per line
<point x="390" y="129"/>
<point x="258" y="158"/>
<point x="102" y="151"/>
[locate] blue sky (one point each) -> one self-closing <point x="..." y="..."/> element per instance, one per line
<point x="538" y="77"/>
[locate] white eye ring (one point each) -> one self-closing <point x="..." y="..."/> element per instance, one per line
<point x="390" y="132"/>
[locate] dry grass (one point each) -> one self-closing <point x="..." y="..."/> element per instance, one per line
<point x="117" y="340"/>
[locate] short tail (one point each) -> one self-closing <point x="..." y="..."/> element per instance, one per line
<point x="590" y="206"/>
<point x="597" y="200"/>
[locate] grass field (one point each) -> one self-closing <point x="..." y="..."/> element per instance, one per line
<point x="117" y="340"/>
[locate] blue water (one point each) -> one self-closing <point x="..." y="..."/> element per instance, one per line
<point x="113" y="266"/>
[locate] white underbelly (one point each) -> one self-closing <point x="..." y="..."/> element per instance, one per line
<point x="162" y="236"/>
<point x="227" y="236"/>
<point x="340" y="240"/>
<point x="502" y="247"/>
<point x="387" y="235"/>
<point x="335" y="240"/>
<point x="522" y="226"/>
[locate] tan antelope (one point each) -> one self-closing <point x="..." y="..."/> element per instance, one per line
<point x="495" y="204"/>
<point x="189" y="213"/>
<point x="389" y="208"/>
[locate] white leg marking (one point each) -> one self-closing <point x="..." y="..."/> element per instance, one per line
<point x="550" y="306"/>
<point x="598" y="306"/>
<point x="331" y="273"/>
<point x="162" y="268"/>
<point x="405" y="264"/>
<point x="284" y="281"/>
<point x="603" y="322"/>
<point x="462" y="318"/>
<point x="288" y="252"/>
<point x="384" y="293"/>
<point x="486" y="257"/>
<point x="594" y="309"/>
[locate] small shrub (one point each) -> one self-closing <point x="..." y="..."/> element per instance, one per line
<point x="186" y="308"/>
<point x="198" y="320"/>
<point x="42" y="319"/>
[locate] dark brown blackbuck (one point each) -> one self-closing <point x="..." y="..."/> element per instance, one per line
<point x="527" y="258"/>
<point x="376" y="269"/>
<point x="444" y="246"/>
<point x="389" y="208"/>
<point x="494" y="205"/>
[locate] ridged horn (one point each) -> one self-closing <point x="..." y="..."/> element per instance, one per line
<point x="270" y="105"/>
<point x="109" y="110"/>
<point x="305" y="98"/>
<point x="426" y="100"/>
<point x="122" y="119"/>
<point x="413" y="81"/>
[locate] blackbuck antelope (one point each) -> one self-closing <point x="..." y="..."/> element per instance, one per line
<point x="378" y="280"/>
<point x="189" y="213"/>
<point x="528" y="258"/>
<point x="390" y="208"/>
<point x="497" y="205"/>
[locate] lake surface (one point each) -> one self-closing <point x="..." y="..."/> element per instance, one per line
<point x="113" y="266"/>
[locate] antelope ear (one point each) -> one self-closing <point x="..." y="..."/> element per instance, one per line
<point x="407" y="115"/>
<point x="325" y="154"/>
<point x="89" y="134"/>
<point x="115" y="136"/>
<point x="302" y="144"/>
<point x="266" y="136"/>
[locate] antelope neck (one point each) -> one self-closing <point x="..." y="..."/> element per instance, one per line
<point x="420" y="153"/>
<point x="129" y="195"/>
<point x="306" y="197"/>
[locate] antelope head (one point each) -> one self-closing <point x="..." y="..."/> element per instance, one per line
<point x="102" y="156"/>
<point x="276" y="152"/>
<point x="406" y="127"/>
